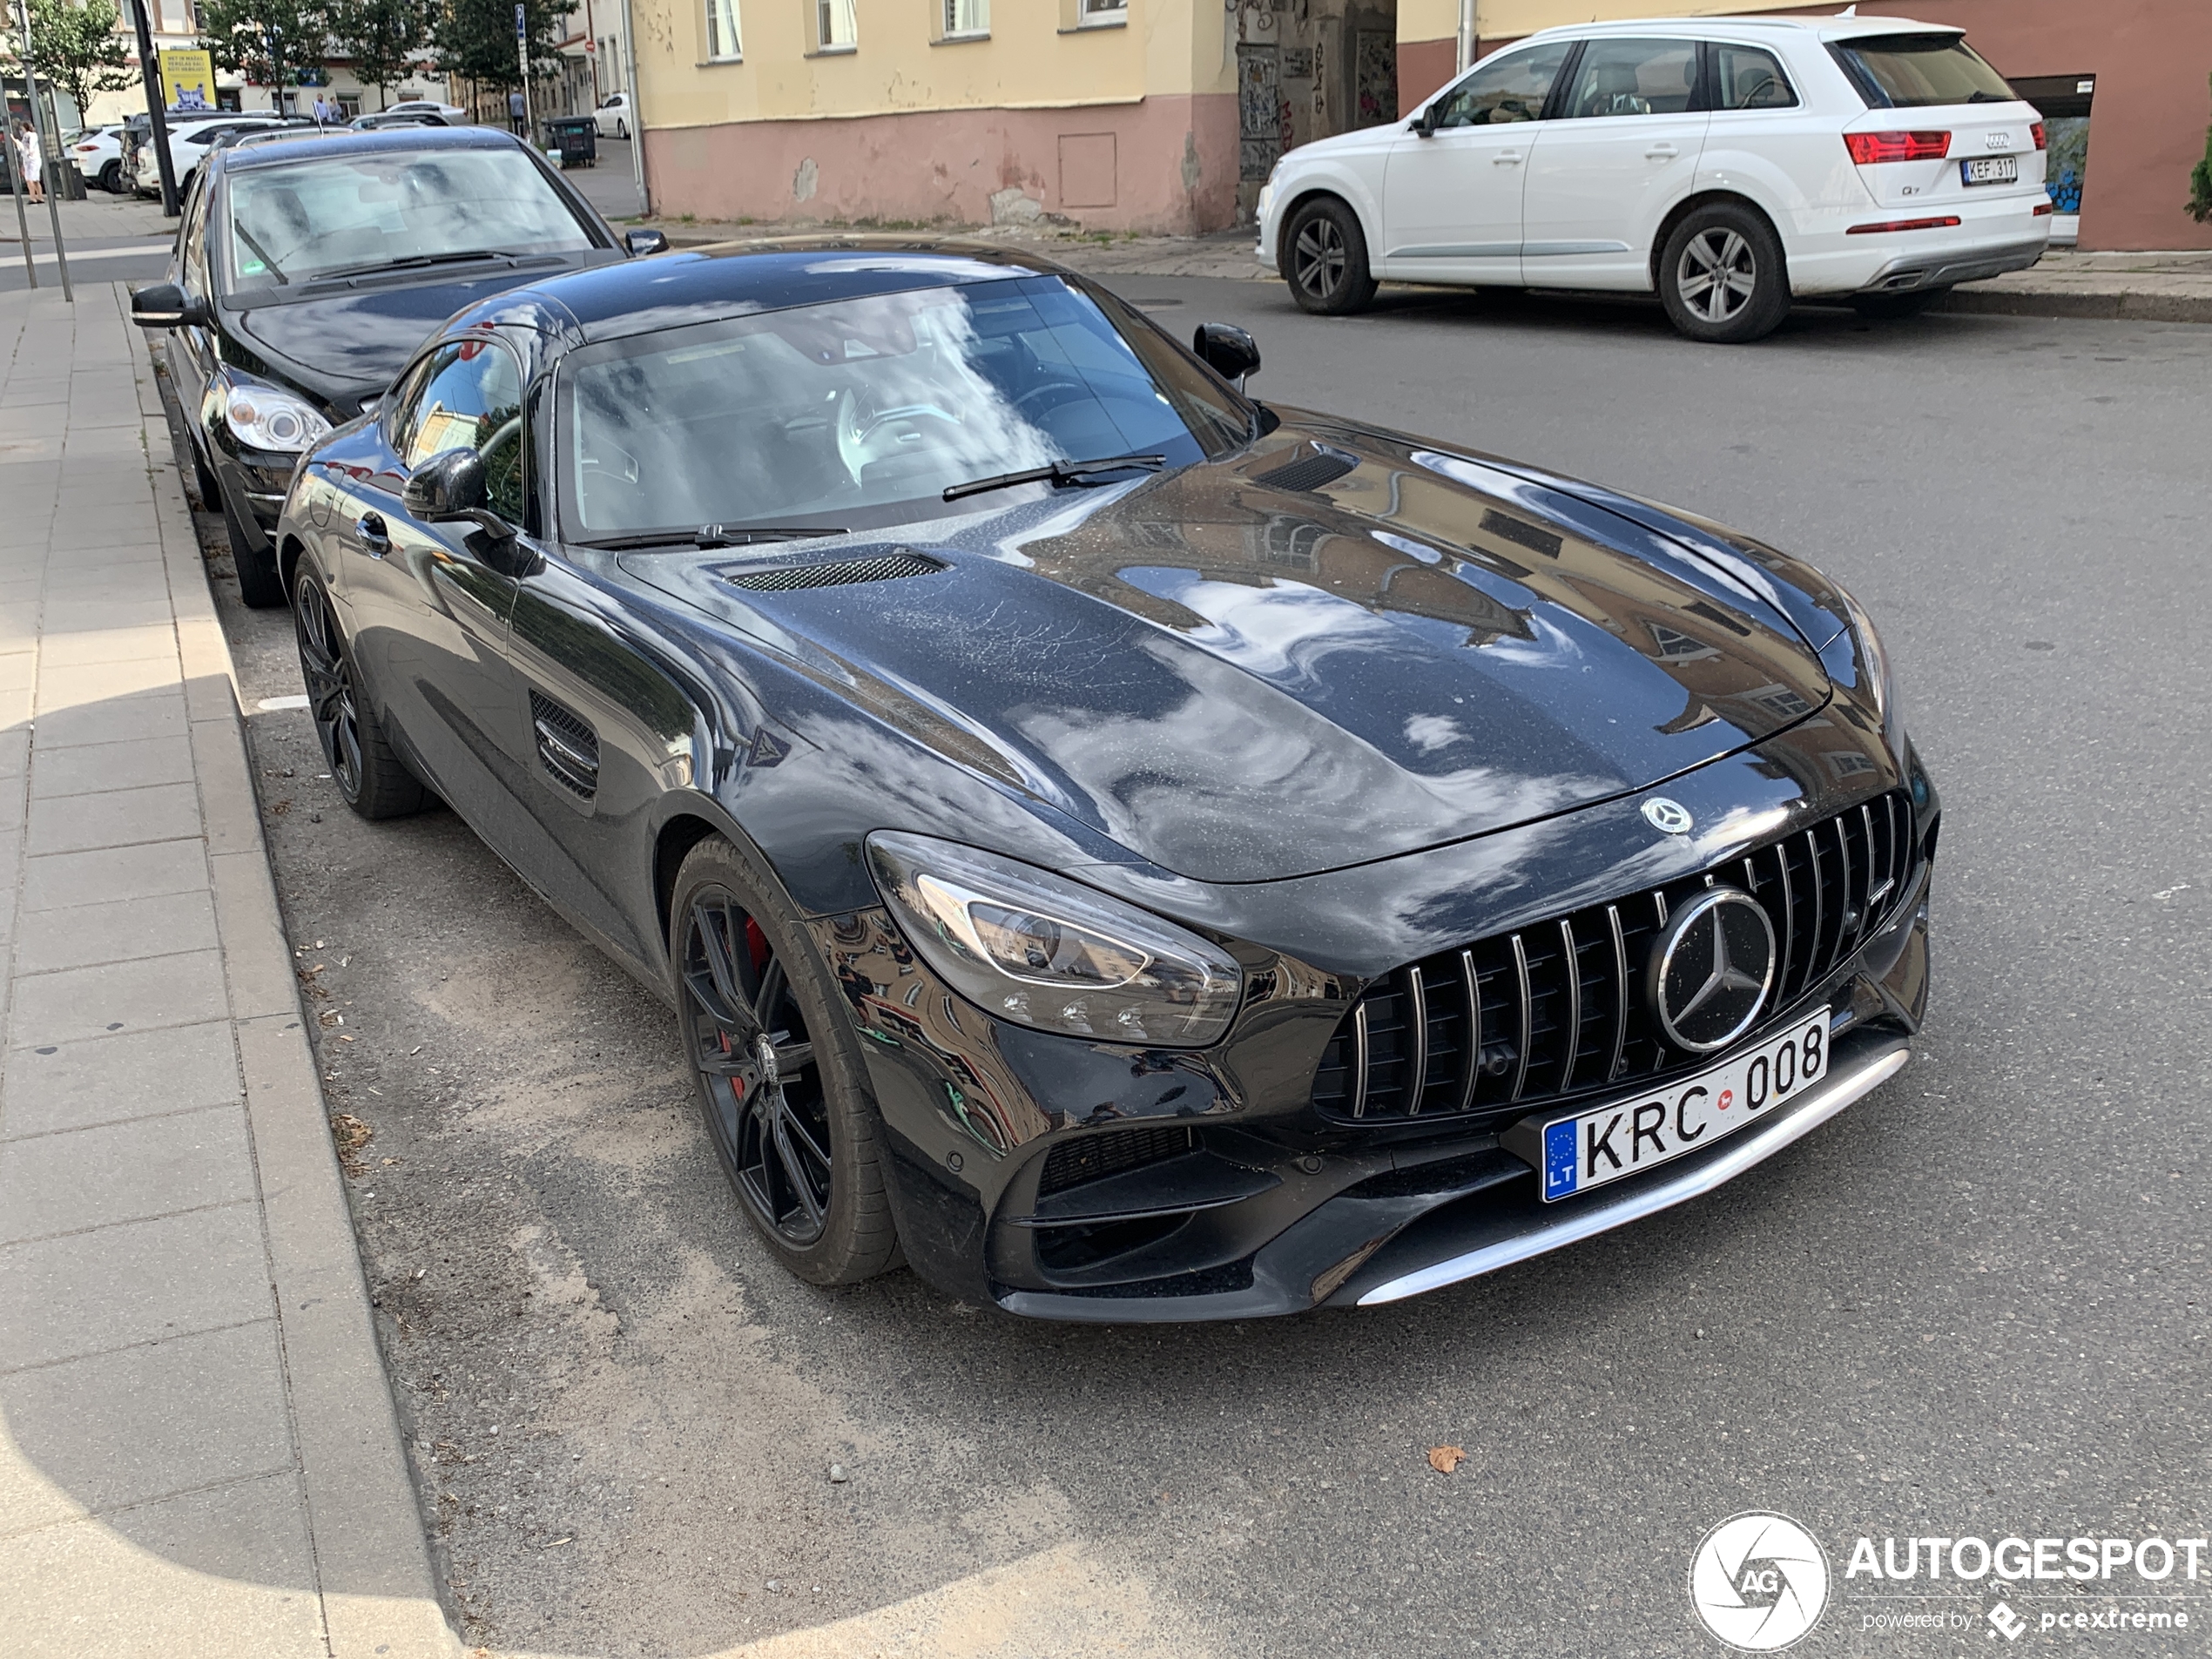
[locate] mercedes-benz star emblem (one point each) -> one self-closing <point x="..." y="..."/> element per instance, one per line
<point x="1668" y="817"/>
<point x="1712" y="968"/>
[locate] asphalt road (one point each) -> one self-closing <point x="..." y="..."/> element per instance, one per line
<point x="1972" y="1305"/>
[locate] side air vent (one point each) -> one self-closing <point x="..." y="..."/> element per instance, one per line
<point x="1073" y="1163"/>
<point x="887" y="567"/>
<point x="568" y="748"/>
<point x="1322" y="466"/>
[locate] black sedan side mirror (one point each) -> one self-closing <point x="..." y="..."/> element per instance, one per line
<point x="1228" y="350"/>
<point x="640" y="243"/>
<point x="164" y="305"/>
<point x="448" y="486"/>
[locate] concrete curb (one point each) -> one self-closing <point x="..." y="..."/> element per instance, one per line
<point x="371" y="1565"/>
<point x="2130" y="305"/>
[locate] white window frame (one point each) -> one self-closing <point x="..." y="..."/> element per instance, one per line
<point x="958" y="20"/>
<point x="729" y="51"/>
<point x="823" y="19"/>
<point x="1093" y="14"/>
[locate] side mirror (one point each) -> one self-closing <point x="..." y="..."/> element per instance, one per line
<point x="449" y="485"/>
<point x="164" y="305"/>
<point x="640" y="243"/>
<point x="1228" y="350"/>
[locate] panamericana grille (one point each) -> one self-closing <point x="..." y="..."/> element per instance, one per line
<point x="887" y="567"/>
<point x="1095" y="1156"/>
<point x="1514" y="1021"/>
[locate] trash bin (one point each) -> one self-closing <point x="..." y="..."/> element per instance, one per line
<point x="69" y="180"/>
<point x="576" y="137"/>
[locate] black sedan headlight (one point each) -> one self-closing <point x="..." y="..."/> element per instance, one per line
<point x="1876" y="675"/>
<point x="1039" y="950"/>
<point x="262" y="416"/>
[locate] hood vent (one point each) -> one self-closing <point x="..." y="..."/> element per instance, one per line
<point x="1323" y="466"/>
<point x="887" y="567"/>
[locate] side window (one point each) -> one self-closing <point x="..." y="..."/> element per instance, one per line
<point x="469" y="395"/>
<point x="1632" y="77"/>
<point x="1511" y="88"/>
<point x="1746" y="78"/>
<point x="195" y="253"/>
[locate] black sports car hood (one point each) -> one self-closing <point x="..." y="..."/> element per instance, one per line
<point x="344" y="342"/>
<point x="1242" y="681"/>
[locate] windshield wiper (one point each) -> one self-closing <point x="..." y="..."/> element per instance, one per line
<point x="714" y="536"/>
<point x="1082" y="473"/>
<point x="414" y="262"/>
<point x="261" y="253"/>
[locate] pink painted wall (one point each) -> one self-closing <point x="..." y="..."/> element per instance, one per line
<point x="1168" y="164"/>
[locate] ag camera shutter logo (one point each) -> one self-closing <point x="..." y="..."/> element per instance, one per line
<point x="1759" y="1581"/>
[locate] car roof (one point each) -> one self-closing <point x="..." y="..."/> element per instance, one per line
<point x="1835" y="28"/>
<point x="760" y="273"/>
<point x="346" y="142"/>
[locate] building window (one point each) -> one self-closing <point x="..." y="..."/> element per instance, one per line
<point x="722" y="45"/>
<point x="835" y="30"/>
<point x="1091" y="14"/>
<point x="966" y="19"/>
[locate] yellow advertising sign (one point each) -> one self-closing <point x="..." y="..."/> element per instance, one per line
<point x="190" y="77"/>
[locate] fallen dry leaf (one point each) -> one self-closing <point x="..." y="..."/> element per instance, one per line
<point x="352" y="1134"/>
<point x="1445" y="1459"/>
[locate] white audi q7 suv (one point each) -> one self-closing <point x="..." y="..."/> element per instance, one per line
<point x="1728" y="163"/>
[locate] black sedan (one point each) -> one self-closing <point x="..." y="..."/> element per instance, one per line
<point x="1134" y="851"/>
<point x="309" y="265"/>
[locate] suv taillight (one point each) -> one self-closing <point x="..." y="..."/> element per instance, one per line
<point x="2035" y="132"/>
<point x="1868" y="148"/>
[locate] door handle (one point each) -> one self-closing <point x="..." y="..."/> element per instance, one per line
<point x="376" y="541"/>
<point x="1505" y="158"/>
<point x="1662" y="152"/>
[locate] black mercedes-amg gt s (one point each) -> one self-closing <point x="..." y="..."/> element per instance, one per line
<point x="1138" y="852"/>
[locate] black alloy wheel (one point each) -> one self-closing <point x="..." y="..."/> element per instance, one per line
<point x="1721" y="276"/>
<point x="779" y="1084"/>
<point x="373" y="779"/>
<point x="1323" y="257"/>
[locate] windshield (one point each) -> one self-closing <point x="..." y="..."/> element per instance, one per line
<point x="339" y="212"/>
<point x="865" y="411"/>
<point x="1906" y="71"/>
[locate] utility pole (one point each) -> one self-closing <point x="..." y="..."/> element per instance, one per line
<point x="156" y="101"/>
<point x="39" y="117"/>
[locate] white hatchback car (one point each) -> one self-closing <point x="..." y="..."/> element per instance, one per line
<point x="1728" y="163"/>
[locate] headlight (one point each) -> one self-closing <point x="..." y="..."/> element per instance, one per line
<point x="264" y="418"/>
<point x="1879" y="678"/>
<point x="1040" y="951"/>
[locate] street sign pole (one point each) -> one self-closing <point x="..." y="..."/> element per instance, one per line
<point x="150" y="70"/>
<point x="40" y="115"/>
<point x="523" y="61"/>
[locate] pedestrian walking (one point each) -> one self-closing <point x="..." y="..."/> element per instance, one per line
<point x="517" y="112"/>
<point x="30" y="160"/>
<point x="322" y="110"/>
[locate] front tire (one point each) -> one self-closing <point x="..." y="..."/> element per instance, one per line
<point x="1323" y="257"/>
<point x="778" y="1072"/>
<point x="369" y="774"/>
<point x="1723" y="278"/>
<point x="258" y="584"/>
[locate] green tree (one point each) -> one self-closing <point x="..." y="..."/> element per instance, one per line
<point x="2199" y="207"/>
<point x="475" y="40"/>
<point x="266" y="40"/>
<point x="381" y="36"/>
<point x="75" y="47"/>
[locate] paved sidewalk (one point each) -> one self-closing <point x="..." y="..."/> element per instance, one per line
<point x="197" y="1450"/>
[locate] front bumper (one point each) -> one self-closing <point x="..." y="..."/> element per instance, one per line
<point x="1260" y="1209"/>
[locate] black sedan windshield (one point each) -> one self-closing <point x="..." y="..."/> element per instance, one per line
<point x="829" y="414"/>
<point x="315" y="218"/>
